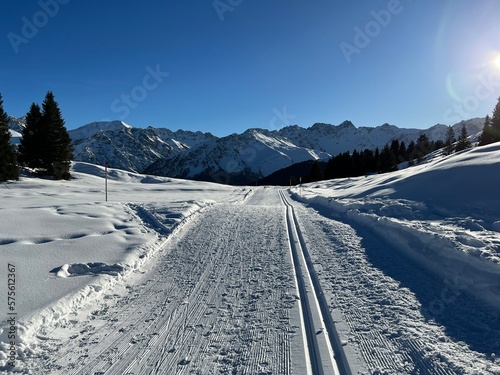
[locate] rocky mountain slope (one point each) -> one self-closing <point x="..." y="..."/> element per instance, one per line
<point x="239" y="158"/>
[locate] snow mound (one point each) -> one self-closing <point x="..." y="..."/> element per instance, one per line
<point x="93" y="268"/>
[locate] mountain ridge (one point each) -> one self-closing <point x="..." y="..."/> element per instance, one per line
<point x="242" y="158"/>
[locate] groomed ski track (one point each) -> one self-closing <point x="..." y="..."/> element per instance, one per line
<point x="231" y="293"/>
<point x="319" y="330"/>
<point x="262" y="284"/>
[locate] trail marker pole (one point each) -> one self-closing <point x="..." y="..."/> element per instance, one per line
<point x="106" y="179"/>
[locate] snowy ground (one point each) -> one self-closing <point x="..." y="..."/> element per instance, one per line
<point x="178" y="277"/>
<point x="410" y="261"/>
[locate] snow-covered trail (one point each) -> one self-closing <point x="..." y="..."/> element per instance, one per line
<point x="393" y="315"/>
<point x="221" y="300"/>
<point x="223" y="297"/>
<point x="321" y="338"/>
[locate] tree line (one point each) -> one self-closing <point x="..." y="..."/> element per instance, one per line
<point x="491" y="130"/>
<point x="45" y="146"/>
<point x="360" y="163"/>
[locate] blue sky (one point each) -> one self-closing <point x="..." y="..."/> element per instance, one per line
<point x="225" y="66"/>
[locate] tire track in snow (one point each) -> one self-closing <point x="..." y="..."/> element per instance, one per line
<point x="322" y="340"/>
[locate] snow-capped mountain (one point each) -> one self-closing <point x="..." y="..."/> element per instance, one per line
<point x="91" y="129"/>
<point x="346" y="137"/>
<point x="241" y="157"/>
<point x="16" y="126"/>
<point x="238" y="158"/>
<point x="244" y="158"/>
<point x="125" y="147"/>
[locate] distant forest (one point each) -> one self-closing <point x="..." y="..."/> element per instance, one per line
<point x="360" y="163"/>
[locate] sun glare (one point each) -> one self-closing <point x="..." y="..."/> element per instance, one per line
<point x="497" y="61"/>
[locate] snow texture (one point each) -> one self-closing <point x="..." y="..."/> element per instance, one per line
<point x="173" y="276"/>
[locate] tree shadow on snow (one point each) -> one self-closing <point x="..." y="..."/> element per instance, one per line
<point x="464" y="317"/>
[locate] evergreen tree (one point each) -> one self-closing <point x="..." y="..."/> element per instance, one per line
<point x="410" y="152"/>
<point x="402" y="153"/>
<point x="315" y="172"/>
<point x="449" y="141"/>
<point x="487" y="136"/>
<point x="370" y="164"/>
<point x="423" y="146"/>
<point x="495" y="122"/>
<point x="463" y="141"/>
<point x="387" y="160"/>
<point x="57" y="149"/>
<point x="8" y="162"/>
<point x="30" y="148"/>
<point x="395" y="147"/>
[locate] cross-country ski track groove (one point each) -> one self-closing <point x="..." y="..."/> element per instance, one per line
<point x="323" y="346"/>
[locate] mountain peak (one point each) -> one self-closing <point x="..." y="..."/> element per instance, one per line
<point x="88" y="130"/>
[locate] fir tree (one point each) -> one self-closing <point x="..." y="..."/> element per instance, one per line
<point x="57" y="151"/>
<point x="487" y="136"/>
<point x="449" y="141"/>
<point x="8" y="162"/>
<point x="30" y="148"/>
<point x="423" y="146"/>
<point x="387" y="160"/>
<point x="495" y="122"/>
<point x="410" y="153"/>
<point x="402" y="152"/>
<point x="463" y="141"/>
<point x="315" y="172"/>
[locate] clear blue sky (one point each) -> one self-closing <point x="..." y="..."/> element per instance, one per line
<point x="227" y="65"/>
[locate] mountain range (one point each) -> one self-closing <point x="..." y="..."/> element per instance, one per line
<point x="237" y="158"/>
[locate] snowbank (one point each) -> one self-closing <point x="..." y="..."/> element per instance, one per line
<point x="443" y="214"/>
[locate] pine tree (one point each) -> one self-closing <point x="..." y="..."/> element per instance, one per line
<point x="463" y="141"/>
<point x="315" y="172"/>
<point x="423" y="146"/>
<point x="8" y="162"/>
<point x="387" y="160"/>
<point x="449" y="141"/>
<point x="402" y="153"/>
<point x="495" y="122"/>
<point x="30" y="148"/>
<point x="487" y="134"/>
<point x="57" y="151"/>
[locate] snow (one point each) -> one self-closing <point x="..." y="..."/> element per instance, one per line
<point x="88" y="130"/>
<point x="432" y="229"/>
<point x="53" y="229"/>
<point x="199" y="278"/>
<point x="15" y="137"/>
